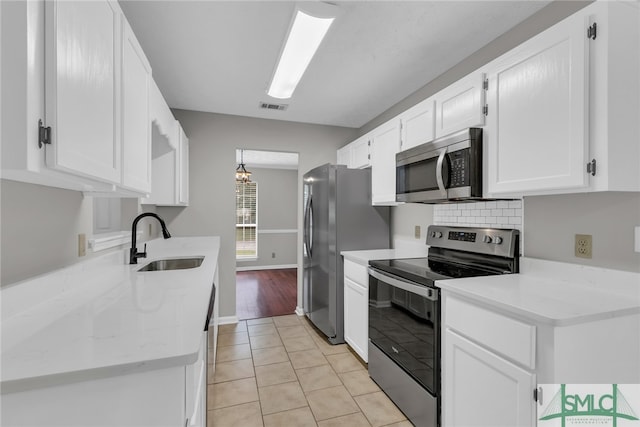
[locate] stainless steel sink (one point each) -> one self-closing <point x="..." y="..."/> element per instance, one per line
<point x="173" y="264"/>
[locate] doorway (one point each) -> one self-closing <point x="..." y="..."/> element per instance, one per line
<point x="266" y="233"/>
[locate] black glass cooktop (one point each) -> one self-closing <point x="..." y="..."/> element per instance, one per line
<point x="425" y="271"/>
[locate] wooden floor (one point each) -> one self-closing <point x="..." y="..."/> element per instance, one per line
<point x="265" y="293"/>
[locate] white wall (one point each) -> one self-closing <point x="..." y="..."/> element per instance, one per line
<point x="404" y="219"/>
<point x="213" y="139"/>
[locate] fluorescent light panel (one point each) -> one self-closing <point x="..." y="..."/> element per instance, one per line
<point x="303" y="41"/>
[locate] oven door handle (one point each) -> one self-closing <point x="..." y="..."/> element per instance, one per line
<point x="398" y="282"/>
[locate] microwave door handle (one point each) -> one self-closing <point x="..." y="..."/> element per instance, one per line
<point x="439" y="177"/>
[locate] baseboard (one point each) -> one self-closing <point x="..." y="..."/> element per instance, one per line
<point x="299" y="311"/>
<point x="267" y="267"/>
<point x="226" y="320"/>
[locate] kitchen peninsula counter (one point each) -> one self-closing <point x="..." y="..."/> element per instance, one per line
<point x="102" y="317"/>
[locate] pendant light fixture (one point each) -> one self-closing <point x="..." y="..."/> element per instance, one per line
<point x="242" y="174"/>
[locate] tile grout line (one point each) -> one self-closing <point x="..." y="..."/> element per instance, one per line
<point x="316" y="346"/>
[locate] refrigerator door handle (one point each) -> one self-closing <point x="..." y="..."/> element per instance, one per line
<point x="308" y="221"/>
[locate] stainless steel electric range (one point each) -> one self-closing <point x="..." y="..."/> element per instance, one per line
<point x="404" y="311"/>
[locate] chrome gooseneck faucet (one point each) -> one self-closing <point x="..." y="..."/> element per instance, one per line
<point x="133" y="252"/>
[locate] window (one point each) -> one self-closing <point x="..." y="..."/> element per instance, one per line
<point x="246" y="220"/>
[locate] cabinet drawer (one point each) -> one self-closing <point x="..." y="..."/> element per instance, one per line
<point x="356" y="272"/>
<point x="512" y="338"/>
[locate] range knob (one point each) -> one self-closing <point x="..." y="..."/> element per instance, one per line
<point x="487" y="239"/>
<point x="436" y="234"/>
<point x="498" y="240"/>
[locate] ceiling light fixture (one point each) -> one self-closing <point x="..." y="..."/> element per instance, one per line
<point x="306" y="32"/>
<point x="242" y="174"/>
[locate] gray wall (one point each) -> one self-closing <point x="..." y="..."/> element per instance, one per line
<point x="40" y="226"/>
<point x="213" y="139"/>
<point x="551" y="222"/>
<point x="551" y="14"/>
<point x="277" y="210"/>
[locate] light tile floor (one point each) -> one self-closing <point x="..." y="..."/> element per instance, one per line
<point x="279" y="372"/>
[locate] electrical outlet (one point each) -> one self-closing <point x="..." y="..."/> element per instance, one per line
<point x="583" y="245"/>
<point x="273" y="254"/>
<point x="416" y="232"/>
<point x="637" y="238"/>
<point x="82" y="245"/>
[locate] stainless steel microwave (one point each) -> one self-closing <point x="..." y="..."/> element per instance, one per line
<point x="448" y="169"/>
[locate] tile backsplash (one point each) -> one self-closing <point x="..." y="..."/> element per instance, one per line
<point x="495" y="214"/>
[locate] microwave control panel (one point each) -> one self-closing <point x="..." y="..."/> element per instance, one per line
<point x="459" y="164"/>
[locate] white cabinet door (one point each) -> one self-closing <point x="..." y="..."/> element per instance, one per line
<point x="356" y="315"/>
<point x="385" y="143"/>
<point x="183" y="175"/>
<point x="418" y="124"/>
<point x="360" y="153"/>
<point x="460" y="105"/>
<point x="537" y="134"/>
<point x="83" y="87"/>
<point x="136" y="123"/>
<point x="344" y="156"/>
<point x="481" y="389"/>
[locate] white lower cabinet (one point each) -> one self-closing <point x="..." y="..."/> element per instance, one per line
<point x="488" y="367"/>
<point x="356" y="308"/>
<point x="494" y="359"/>
<point x="483" y="389"/>
<point x="162" y="397"/>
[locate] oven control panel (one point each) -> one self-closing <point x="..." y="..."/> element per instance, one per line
<point x="480" y="240"/>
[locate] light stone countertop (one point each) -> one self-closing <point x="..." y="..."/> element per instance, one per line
<point x="560" y="294"/>
<point x="363" y="257"/>
<point x="102" y="317"/>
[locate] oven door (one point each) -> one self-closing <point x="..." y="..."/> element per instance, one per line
<point x="404" y="324"/>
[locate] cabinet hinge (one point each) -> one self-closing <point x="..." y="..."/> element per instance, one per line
<point x="591" y="167"/>
<point x="485" y="110"/>
<point x="368" y="156"/>
<point x="537" y="395"/>
<point x="369" y="143"/>
<point x="44" y="134"/>
<point x="592" y="31"/>
<point x="485" y="84"/>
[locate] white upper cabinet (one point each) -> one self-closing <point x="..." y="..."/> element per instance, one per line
<point x="170" y="168"/>
<point x="537" y="124"/>
<point x="461" y="105"/>
<point x="614" y="113"/>
<point x="564" y="101"/>
<point x="23" y="100"/>
<point x="183" y="177"/>
<point x="417" y="124"/>
<point x="136" y="122"/>
<point x="83" y="87"/>
<point x="385" y="143"/>
<point x="361" y="152"/>
<point x="357" y="154"/>
<point x="344" y="156"/>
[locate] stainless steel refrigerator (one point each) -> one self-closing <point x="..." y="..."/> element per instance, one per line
<point x="338" y="216"/>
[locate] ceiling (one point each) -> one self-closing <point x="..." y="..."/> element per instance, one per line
<point x="219" y="56"/>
